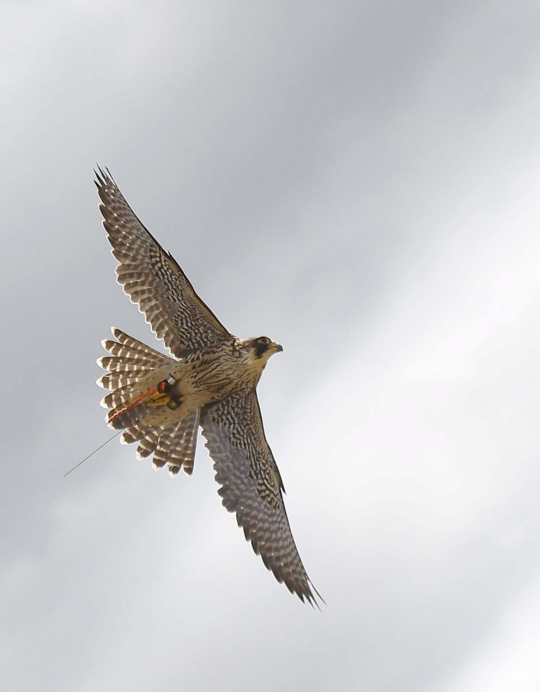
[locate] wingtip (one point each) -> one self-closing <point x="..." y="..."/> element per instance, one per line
<point x="104" y="175"/>
<point x="100" y="177"/>
<point x="313" y="597"/>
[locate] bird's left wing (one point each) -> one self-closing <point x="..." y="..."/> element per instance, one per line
<point x="252" y="486"/>
<point x="152" y="278"/>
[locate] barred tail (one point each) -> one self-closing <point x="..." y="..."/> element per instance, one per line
<point x="129" y="363"/>
<point x="133" y="367"/>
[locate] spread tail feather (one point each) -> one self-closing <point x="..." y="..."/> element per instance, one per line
<point x="130" y="363"/>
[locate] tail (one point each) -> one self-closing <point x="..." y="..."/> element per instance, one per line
<point x="134" y="371"/>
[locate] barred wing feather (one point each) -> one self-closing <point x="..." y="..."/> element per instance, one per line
<point x="153" y="279"/>
<point x="251" y="486"/>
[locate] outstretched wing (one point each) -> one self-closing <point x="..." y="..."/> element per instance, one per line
<point x="152" y="278"/>
<point x="252" y="486"/>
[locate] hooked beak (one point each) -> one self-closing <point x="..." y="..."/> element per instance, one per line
<point x="277" y="347"/>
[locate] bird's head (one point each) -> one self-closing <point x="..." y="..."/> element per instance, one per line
<point x="261" y="348"/>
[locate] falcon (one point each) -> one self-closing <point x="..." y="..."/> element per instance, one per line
<point x="160" y="402"/>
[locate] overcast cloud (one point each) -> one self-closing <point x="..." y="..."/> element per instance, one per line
<point x="360" y="181"/>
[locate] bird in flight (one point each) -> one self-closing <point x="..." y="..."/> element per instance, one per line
<point x="210" y="382"/>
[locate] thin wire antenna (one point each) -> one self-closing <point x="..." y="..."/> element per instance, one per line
<point x="94" y="452"/>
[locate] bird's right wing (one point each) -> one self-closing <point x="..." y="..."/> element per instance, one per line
<point x="152" y="278"/>
<point x="252" y="487"/>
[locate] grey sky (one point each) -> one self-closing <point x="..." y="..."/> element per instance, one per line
<point x="359" y="181"/>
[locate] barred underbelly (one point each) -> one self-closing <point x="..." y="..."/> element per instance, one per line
<point x="210" y="379"/>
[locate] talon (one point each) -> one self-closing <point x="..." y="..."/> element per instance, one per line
<point x="164" y="387"/>
<point x="174" y="403"/>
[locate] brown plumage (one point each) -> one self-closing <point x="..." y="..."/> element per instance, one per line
<point x="160" y="402"/>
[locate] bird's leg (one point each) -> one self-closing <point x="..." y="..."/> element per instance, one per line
<point x="164" y="395"/>
<point x="165" y="386"/>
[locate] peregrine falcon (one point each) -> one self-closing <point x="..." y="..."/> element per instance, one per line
<point x="210" y="382"/>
